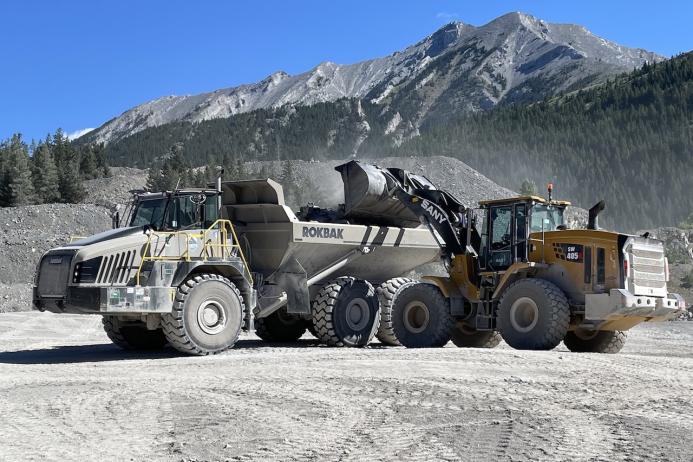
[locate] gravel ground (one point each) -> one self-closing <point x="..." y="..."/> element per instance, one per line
<point x="67" y="394"/>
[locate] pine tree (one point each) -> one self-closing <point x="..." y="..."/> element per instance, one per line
<point x="45" y="175"/>
<point x="70" y="183"/>
<point x="17" y="186"/>
<point x="528" y="187"/>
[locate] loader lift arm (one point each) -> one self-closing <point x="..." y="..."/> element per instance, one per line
<point x="437" y="209"/>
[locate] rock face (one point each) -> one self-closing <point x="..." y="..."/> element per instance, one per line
<point x="514" y="58"/>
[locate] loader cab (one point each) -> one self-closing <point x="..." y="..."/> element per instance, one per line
<point x="507" y="225"/>
<point x="175" y="210"/>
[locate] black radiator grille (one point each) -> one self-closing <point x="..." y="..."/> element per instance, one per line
<point x="54" y="274"/>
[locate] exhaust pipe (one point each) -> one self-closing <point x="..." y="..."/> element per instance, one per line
<point x="593" y="220"/>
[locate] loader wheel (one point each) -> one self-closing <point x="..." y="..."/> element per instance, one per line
<point x="533" y="314"/>
<point x="346" y="312"/>
<point x="421" y="316"/>
<point x="133" y="336"/>
<point x="207" y="315"/>
<point x="280" y="326"/>
<point x="387" y="291"/>
<point x="464" y="336"/>
<point x="595" y="341"/>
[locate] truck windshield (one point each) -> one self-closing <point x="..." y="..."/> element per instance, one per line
<point x="149" y="212"/>
<point x="182" y="212"/>
<point x="546" y="217"/>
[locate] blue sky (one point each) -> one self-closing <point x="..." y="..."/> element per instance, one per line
<point x="76" y="64"/>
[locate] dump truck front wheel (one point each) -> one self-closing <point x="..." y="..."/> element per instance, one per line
<point x="421" y="316"/>
<point x="280" y="326"/>
<point x="387" y="292"/>
<point x="346" y="312"/>
<point x="133" y="336"/>
<point x="207" y="315"/>
<point x="464" y="336"/>
<point x="533" y="314"/>
<point x="595" y="341"/>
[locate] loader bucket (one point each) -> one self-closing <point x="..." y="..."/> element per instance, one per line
<point x="368" y="197"/>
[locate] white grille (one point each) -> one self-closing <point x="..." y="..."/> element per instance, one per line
<point x="647" y="274"/>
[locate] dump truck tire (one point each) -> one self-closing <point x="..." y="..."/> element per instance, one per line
<point x="387" y="291"/>
<point x="533" y="314"/>
<point x="466" y="337"/>
<point x="207" y="315"/>
<point x="280" y="326"/>
<point x="346" y="312"/>
<point x="604" y="341"/>
<point x="133" y="336"/>
<point x="421" y="316"/>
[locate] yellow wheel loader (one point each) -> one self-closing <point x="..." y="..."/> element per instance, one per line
<point x="514" y="269"/>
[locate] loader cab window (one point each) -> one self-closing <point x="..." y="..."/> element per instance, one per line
<point x="546" y="218"/>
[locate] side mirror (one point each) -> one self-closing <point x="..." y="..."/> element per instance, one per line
<point x="115" y="220"/>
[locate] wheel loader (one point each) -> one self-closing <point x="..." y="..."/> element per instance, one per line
<point x="514" y="271"/>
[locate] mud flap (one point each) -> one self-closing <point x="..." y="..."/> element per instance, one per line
<point x="292" y="277"/>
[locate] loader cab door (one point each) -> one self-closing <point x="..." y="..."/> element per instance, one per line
<point x="504" y="237"/>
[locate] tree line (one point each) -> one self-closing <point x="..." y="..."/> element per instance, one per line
<point x="51" y="170"/>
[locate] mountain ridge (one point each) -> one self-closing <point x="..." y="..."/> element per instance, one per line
<point x="459" y="67"/>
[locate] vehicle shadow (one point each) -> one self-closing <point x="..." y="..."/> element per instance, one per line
<point x="103" y="352"/>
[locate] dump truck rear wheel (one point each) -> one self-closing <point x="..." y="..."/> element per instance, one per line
<point x="421" y="316"/>
<point x="280" y="326"/>
<point x="387" y="291"/>
<point x="467" y="337"/>
<point x="600" y="341"/>
<point x="207" y="315"/>
<point x="533" y="314"/>
<point x="346" y="312"/>
<point x="133" y="336"/>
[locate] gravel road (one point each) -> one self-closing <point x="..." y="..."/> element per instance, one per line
<point x="67" y="394"/>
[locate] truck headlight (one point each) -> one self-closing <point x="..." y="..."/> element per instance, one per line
<point x="86" y="271"/>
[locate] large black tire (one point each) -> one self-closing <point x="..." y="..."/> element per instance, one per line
<point x="533" y="314"/>
<point x="387" y="292"/>
<point x="346" y="312"/>
<point x="600" y="341"/>
<point x="467" y="337"/>
<point x="421" y="316"/>
<point x="207" y="315"/>
<point x="133" y="335"/>
<point x="280" y="326"/>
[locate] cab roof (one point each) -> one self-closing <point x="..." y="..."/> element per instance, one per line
<point x="526" y="198"/>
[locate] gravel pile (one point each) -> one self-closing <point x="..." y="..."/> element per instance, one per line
<point x="114" y="190"/>
<point x="27" y="232"/>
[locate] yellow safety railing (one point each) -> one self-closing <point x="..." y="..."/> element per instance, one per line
<point x="76" y="238"/>
<point x="227" y="250"/>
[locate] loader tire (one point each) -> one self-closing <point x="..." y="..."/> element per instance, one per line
<point x="467" y="337"/>
<point x="133" y="336"/>
<point x="280" y="326"/>
<point x="600" y="341"/>
<point x="346" y="312"/>
<point x="421" y="316"/>
<point x="387" y="291"/>
<point x="207" y="315"/>
<point x="533" y="314"/>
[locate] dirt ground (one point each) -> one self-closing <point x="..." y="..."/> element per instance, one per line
<point x="68" y="394"/>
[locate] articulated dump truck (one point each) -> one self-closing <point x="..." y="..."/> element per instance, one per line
<point x="193" y="268"/>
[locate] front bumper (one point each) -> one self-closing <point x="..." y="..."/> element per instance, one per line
<point x="108" y="300"/>
<point x="619" y="304"/>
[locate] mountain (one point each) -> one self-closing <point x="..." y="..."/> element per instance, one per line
<point x="459" y="68"/>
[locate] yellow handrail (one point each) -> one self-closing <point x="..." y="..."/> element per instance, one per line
<point x="227" y="250"/>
